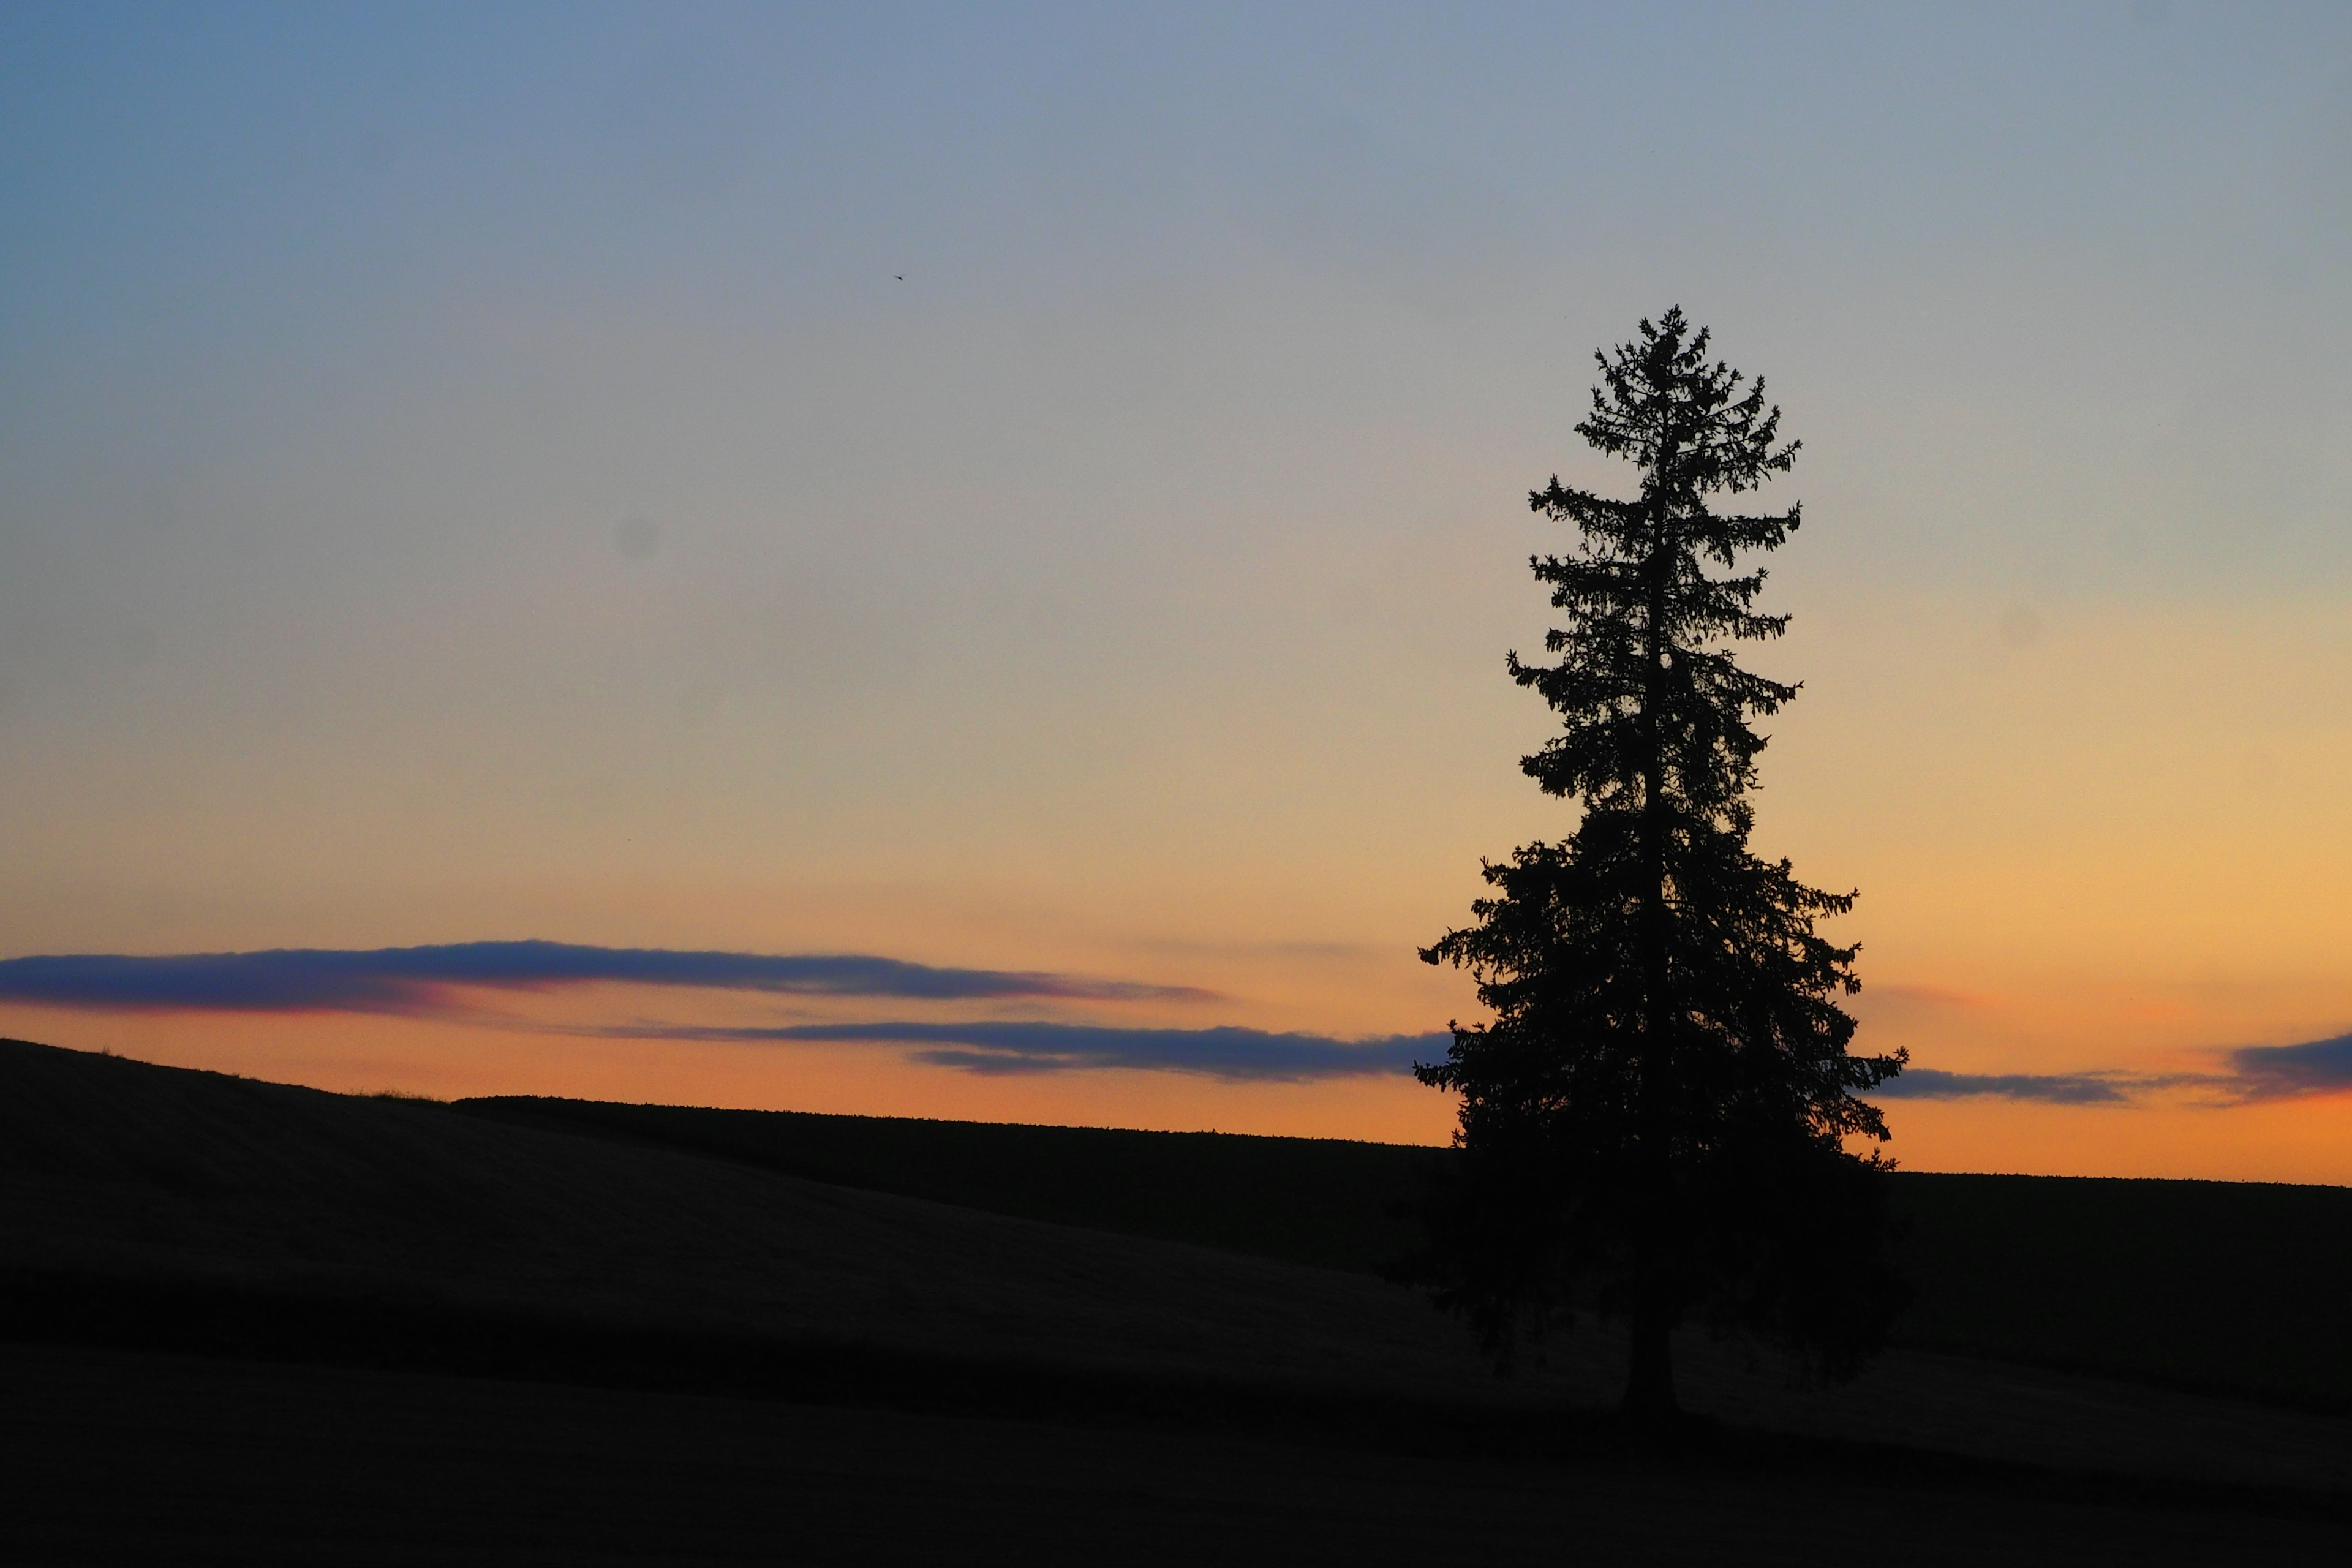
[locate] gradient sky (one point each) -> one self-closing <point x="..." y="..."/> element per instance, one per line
<point x="1041" y="492"/>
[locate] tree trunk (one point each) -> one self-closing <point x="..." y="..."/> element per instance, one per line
<point x="1650" y="1383"/>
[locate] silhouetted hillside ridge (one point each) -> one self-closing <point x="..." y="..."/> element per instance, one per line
<point x="2233" y="1287"/>
<point x="118" y="1169"/>
<point x="164" y="1209"/>
<point x="1334" y="1203"/>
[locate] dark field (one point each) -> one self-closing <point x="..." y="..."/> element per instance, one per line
<point x="262" y="1323"/>
<point x="115" y="1455"/>
<point x="1306" y="1200"/>
<point x="2229" y="1286"/>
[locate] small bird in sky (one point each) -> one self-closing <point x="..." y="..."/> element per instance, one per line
<point x="899" y="276"/>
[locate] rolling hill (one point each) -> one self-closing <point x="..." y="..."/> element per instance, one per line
<point x="2227" y="1287"/>
<point x="160" y="1210"/>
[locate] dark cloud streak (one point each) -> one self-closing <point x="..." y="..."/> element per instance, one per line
<point x="2250" y="1073"/>
<point x="416" y="981"/>
<point x="998" y="1046"/>
<point x="2277" y="1072"/>
<point x="427" y="981"/>
<point x="2047" y="1088"/>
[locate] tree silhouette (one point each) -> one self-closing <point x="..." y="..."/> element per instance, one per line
<point x="1655" y="1123"/>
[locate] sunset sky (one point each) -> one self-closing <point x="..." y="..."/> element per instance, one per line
<point x="958" y="560"/>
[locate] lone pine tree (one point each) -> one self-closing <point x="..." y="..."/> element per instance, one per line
<point x="1654" y="1124"/>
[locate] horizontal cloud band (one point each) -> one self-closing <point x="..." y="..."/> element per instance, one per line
<point x="1000" y="1047"/>
<point x="415" y="980"/>
<point x="2252" y="1073"/>
<point x="2271" y="1072"/>
<point x="2050" y="1088"/>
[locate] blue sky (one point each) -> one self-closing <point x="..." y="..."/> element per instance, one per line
<point x="1041" y="490"/>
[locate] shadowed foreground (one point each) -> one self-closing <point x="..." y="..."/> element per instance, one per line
<point x="1164" y="1397"/>
<point x="116" y="1456"/>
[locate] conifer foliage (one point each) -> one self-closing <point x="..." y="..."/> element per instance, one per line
<point x="1655" y="1121"/>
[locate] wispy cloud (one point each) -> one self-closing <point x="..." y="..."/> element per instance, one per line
<point x="2049" y="1089"/>
<point x="431" y="981"/>
<point x="421" y="980"/>
<point x="2247" y="1074"/>
<point x="2275" y="1072"/>
<point x="1000" y="1047"/>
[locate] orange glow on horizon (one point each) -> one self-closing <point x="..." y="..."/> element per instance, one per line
<point x="2305" y="1139"/>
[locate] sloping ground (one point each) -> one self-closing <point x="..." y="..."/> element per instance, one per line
<point x="2230" y="1288"/>
<point x="150" y="1176"/>
<point x="120" y="1169"/>
<point x="1327" y="1201"/>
